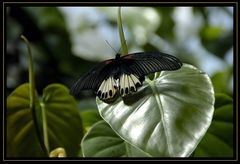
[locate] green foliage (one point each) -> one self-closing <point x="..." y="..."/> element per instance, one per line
<point x="212" y="39"/>
<point x="89" y="118"/>
<point x="221" y="81"/>
<point x="218" y="141"/>
<point x="20" y="126"/>
<point x="167" y="26"/>
<point x="102" y="141"/>
<point x="64" y="126"/>
<point x="45" y="124"/>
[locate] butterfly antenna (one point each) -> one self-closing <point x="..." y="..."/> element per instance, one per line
<point x="111" y="46"/>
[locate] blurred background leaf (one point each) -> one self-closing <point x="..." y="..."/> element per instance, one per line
<point x="218" y="141"/>
<point x="64" y="126"/>
<point x="89" y="118"/>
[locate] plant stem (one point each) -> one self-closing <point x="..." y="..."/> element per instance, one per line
<point x="31" y="75"/>
<point x="33" y="100"/>
<point x="124" y="50"/>
<point x="45" y="132"/>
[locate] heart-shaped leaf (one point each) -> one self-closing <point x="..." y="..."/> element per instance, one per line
<point x="168" y="116"/>
<point x="64" y="127"/>
<point x="102" y="141"/>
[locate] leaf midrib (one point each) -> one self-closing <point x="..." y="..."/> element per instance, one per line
<point x="160" y="107"/>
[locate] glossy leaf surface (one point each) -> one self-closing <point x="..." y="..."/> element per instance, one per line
<point x="168" y="116"/>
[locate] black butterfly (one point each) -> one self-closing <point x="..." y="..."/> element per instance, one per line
<point x="124" y="74"/>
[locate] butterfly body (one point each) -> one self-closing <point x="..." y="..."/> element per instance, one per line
<point x="123" y="74"/>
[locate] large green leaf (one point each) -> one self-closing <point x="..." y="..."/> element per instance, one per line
<point x="22" y="140"/>
<point x="218" y="141"/>
<point x="168" y="116"/>
<point x="64" y="127"/>
<point x="102" y="141"/>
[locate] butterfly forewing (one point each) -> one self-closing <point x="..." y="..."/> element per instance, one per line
<point x="144" y="63"/>
<point x="93" y="78"/>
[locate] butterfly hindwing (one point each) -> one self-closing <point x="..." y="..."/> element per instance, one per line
<point x="128" y="83"/>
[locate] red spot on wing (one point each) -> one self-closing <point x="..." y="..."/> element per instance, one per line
<point x="109" y="61"/>
<point x="128" y="57"/>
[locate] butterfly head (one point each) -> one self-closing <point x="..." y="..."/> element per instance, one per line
<point x="118" y="56"/>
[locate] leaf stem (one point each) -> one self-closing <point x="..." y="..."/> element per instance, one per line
<point x="33" y="100"/>
<point x="124" y="50"/>
<point x="156" y="75"/>
<point x="45" y="132"/>
<point x="31" y="75"/>
<point x="152" y="84"/>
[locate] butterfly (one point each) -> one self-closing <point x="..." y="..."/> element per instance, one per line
<point x="123" y="74"/>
